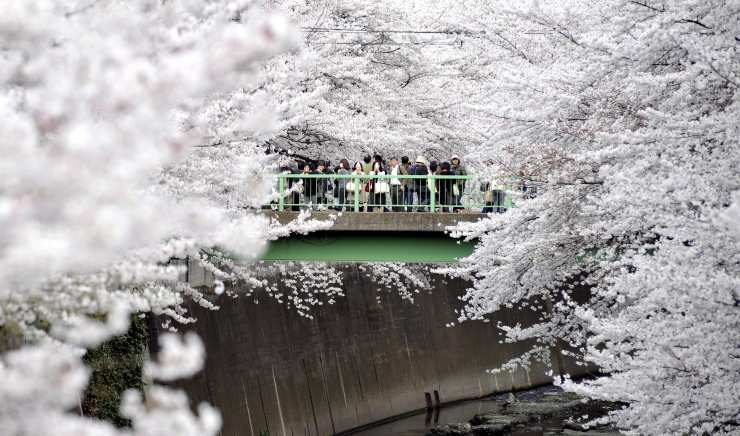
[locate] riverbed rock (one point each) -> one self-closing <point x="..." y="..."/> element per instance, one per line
<point x="462" y="429"/>
<point x="544" y="409"/>
<point x="569" y="425"/>
<point x="584" y="433"/>
<point x="491" y="430"/>
<point x="494" y="419"/>
<point x="548" y="414"/>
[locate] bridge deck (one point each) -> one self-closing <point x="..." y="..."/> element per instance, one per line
<point x="386" y="221"/>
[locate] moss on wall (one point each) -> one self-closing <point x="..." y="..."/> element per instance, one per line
<point x="116" y="366"/>
<point x="11" y="337"/>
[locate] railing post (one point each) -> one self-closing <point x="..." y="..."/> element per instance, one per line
<point x="356" y="180"/>
<point x="281" y="189"/>
<point x="432" y="193"/>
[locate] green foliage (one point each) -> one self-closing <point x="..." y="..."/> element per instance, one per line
<point x="11" y="337"/>
<point x="116" y="366"/>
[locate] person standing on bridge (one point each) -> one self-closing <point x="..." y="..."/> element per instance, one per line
<point x="330" y="193"/>
<point x="458" y="187"/>
<point x="408" y="194"/>
<point x="367" y="165"/>
<point x="444" y="188"/>
<point x="380" y="187"/>
<point x="309" y="185"/>
<point x="396" y="186"/>
<point x="420" y="185"/>
<point x="322" y="185"/>
<point x="433" y="169"/>
<point x="342" y="184"/>
<point x="495" y="197"/>
<point x="367" y="192"/>
<point x="359" y="172"/>
<point x="379" y="158"/>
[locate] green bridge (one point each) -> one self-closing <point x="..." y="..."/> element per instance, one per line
<point x="362" y="192"/>
<point x="386" y="218"/>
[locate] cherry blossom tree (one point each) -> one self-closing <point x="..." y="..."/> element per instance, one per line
<point x="389" y="77"/>
<point x="628" y="111"/>
<point x="104" y="105"/>
<point x="134" y="132"/>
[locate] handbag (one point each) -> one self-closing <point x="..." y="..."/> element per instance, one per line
<point x="350" y="186"/>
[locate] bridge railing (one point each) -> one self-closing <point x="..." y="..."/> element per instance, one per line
<point x="399" y="193"/>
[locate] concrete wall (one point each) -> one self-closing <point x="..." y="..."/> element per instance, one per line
<point x="360" y="360"/>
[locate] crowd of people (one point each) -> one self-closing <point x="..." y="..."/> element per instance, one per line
<point x="389" y="194"/>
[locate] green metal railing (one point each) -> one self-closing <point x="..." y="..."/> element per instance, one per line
<point x="368" y="192"/>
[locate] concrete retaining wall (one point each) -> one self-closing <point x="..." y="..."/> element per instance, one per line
<point x="368" y="357"/>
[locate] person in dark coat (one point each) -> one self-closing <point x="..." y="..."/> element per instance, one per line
<point x="444" y="188"/>
<point x="408" y="191"/>
<point x="458" y="187"/>
<point x="325" y="185"/>
<point x="310" y="188"/>
<point x="420" y="186"/>
<point x="341" y="186"/>
<point x="434" y="169"/>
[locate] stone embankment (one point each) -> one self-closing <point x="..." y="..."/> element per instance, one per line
<point x="542" y="412"/>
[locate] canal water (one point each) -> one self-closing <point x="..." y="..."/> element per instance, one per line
<point x="419" y="425"/>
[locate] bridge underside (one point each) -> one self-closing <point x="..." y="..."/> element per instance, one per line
<point x="395" y="222"/>
<point x="415" y="237"/>
<point x="355" y="246"/>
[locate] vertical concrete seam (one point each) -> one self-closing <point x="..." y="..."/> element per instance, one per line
<point x="262" y="403"/>
<point x="310" y="396"/>
<point x="326" y="394"/>
<point x="341" y="380"/>
<point x="411" y="362"/>
<point x="377" y="376"/>
<point x="277" y="397"/>
<point x="249" y="413"/>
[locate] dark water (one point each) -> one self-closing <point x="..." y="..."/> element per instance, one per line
<point x="419" y="425"/>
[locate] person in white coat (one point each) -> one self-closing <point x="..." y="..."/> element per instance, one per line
<point x="380" y="187"/>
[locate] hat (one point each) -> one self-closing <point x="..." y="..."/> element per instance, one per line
<point x="454" y="156"/>
<point x="421" y="160"/>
